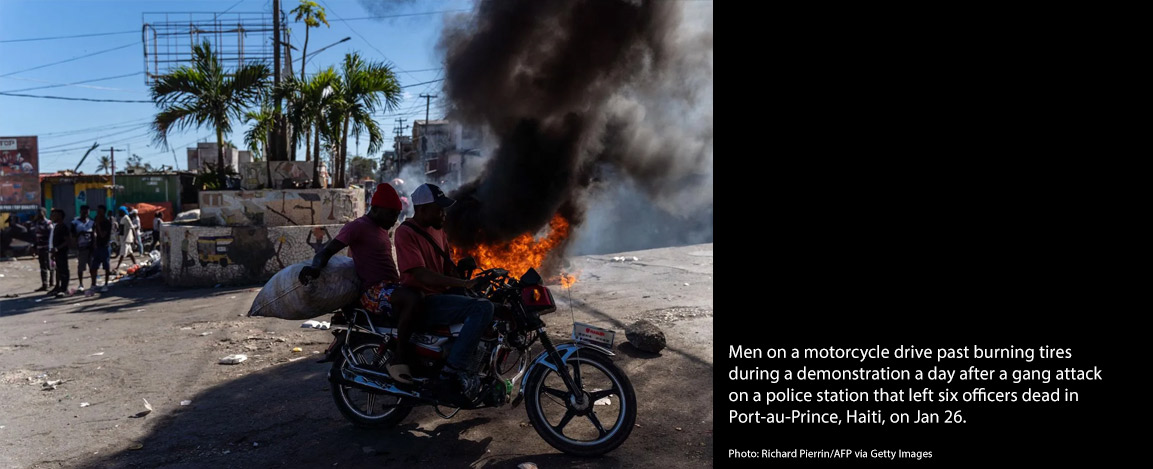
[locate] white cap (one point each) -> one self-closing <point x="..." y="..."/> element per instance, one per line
<point x="429" y="193"/>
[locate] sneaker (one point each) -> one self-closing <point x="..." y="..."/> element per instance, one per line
<point x="90" y="293"/>
<point x="463" y="383"/>
<point x="42" y="288"/>
<point x="399" y="372"/>
<point x="80" y="289"/>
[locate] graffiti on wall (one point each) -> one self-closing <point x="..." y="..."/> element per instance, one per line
<point x="282" y="207"/>
<point x="205" y="256"/>
<point x="255" y="175"/>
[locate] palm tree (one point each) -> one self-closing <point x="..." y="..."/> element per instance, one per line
<point x="104" y="165"/>
<point x="313" y="103"/>
<point x="205" y="94"/>
<point x="257" y="136"/>
<point x="364" y="88"/>
<point x="313" y="15"/>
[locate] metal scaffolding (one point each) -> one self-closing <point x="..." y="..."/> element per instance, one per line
<point x="238" y="38"/>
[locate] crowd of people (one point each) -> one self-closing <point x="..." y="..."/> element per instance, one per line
<point x="53" y="239"/>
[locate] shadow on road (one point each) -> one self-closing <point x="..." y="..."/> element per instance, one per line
<point x="127" y="295"/>
<point x="284" y="416"/>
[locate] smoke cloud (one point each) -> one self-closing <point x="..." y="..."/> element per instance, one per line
<point x="603" y="113"/>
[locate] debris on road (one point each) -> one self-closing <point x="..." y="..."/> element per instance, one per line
<point x="297" y="349"/>
<point x="526" y="465"/>
<point x="626" y="259"/>
<point x="97" y="354"/>
<point x="315" y="324"/>
<point x="233" y="359"/>
<point x="185" y="402"/>
<point x="645" y="336"/>
<point x="84" y="404"/>
<point x="136" y="446"/>
<point x="202" y="334"/>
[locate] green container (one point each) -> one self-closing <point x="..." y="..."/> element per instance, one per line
<point x="148" y="188"/>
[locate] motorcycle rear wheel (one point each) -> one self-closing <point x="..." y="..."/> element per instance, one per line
<point x="362" y="408"/>
<point x="574" y="429"/>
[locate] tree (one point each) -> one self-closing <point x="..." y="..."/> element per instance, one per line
<point x="313" y="15"/>
<point x="257" y="136"/>
<point x="360" y="167"/>
<point x="364" y="88"/>
<point x="205" y="94"/>
<point x="104" y="165"/>
<point x="314" y="101"/>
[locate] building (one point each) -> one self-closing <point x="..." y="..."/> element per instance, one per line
<point x="444" y="147"/>
<point x="205" y="154"/>
<point x="68" y="191"/>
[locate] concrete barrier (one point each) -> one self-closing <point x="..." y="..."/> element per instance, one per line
<point x="198" y="256"/>
<point x="281" y="207"/>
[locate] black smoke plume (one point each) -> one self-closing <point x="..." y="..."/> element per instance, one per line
<point x="582" y="96"/>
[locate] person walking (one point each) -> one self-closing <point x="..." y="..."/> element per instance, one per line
<point x="127" y="238"/>
<point x="135" y="217"/>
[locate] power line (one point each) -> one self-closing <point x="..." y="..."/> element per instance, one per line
<point x="96" y="128"/>
<point x="133" y="43"/>
<point x="397" y="16"/>
<point x="231" y="7"/>
<point x="366" y="41"/>
<point x="424" y="83"/>
<point x="131" y="129"/>
<point x="75" y="99"/>
<point x="78" y="83"/>
<point x="70" y="37"/>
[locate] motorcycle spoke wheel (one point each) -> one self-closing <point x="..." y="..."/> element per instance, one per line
<point x="363" y="407"/>
<point x="588" y="428"/>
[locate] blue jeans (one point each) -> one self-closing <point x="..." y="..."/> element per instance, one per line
<point x="475" y="313"/>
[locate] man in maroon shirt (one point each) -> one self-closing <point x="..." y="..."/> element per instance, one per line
<point x="425" y="267"/>
<point x="371" y="251"/>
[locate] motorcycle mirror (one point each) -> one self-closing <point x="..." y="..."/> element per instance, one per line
<point x="466" y="264"/>
<point x="531" y="277"/>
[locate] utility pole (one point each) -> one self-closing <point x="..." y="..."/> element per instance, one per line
<point x="112" y="155"/>
<point x="424" y="132"/>
<point x="400" y="128"/>
<point x="278" y="134"/>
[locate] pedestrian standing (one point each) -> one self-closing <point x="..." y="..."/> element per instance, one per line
<point x="58" y="239"/>
<point x="101" y="252"/>
<point x="41" y="229"/>
<point x="82" y="229"/>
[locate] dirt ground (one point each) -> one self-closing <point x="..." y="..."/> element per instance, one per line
<point x="107" y="354"/>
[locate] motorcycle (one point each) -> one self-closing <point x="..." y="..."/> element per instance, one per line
<point x="576" y="398"/>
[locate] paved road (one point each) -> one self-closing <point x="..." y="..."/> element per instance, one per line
<point x="150" y="341"/>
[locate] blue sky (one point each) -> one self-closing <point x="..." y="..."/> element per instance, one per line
<point x="408" y="43"/>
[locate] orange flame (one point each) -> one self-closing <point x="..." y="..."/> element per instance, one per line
<point x="524" y="251"/>
<point x="567" y="280"/>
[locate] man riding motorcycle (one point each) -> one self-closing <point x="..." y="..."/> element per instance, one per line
<point x="425" y="266"/>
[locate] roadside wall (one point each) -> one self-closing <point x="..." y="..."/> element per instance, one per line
<point x="199" y="256"/>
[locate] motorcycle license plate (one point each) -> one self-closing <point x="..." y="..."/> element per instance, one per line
<point x="591" y="334"/>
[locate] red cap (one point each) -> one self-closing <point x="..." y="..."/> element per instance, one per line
<point x="385" y="197"/>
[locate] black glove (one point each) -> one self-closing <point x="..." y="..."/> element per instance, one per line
<point x="308" y="273"/>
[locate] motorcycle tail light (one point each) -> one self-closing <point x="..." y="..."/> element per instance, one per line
<point x="537" y="296"/>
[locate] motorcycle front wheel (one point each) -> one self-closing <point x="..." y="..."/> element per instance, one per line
<point x="590" y="427"/>
<point x="363" y="408"/>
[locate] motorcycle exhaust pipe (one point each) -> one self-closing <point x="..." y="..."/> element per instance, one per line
<point x="349" y="377"/>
